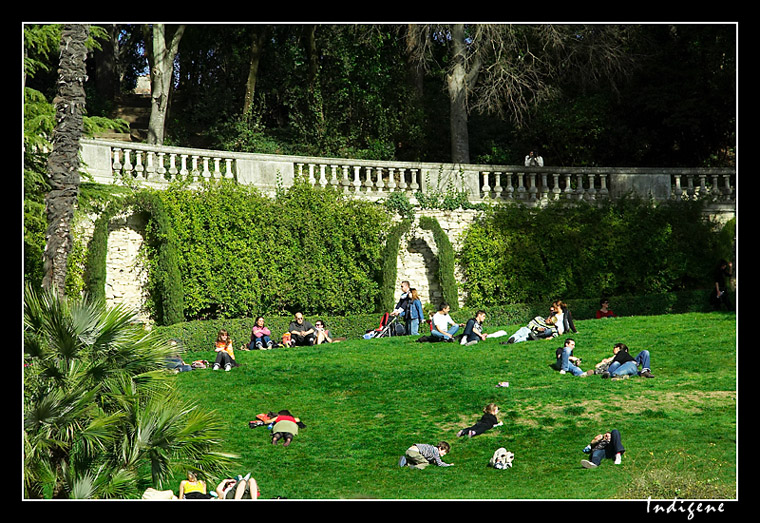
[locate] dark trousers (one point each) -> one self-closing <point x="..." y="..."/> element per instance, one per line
<point x="613" y="447"/>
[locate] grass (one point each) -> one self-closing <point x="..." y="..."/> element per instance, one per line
<point x="364" y="402"/>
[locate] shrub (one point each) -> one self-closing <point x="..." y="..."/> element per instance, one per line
<point x="242" y="253"/>
<point x="517" y="254"/>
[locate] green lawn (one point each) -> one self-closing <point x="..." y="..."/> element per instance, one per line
<point x="365" y="401"/>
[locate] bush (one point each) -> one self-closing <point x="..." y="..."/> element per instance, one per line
<point x="515" y="254"/>
<point x="241" y="253"/>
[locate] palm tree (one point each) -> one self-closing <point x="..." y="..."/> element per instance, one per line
<point x="101" y="417"/>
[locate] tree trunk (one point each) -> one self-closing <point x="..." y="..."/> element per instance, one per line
<point x="63" y="162"/>
<point x="162" y="74"/>
<point x="457" y="87"/>
<point x="257" y="49"/>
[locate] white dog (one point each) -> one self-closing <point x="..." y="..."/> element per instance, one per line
<point x="502" y="459"/>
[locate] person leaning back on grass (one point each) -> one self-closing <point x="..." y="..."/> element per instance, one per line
<point x="622" y="364"/>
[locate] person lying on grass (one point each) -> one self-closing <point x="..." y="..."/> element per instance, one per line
<point x="486" y="422"/>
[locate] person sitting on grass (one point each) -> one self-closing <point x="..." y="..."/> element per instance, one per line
<point x="486" y="422"/>
<point x="260" y="336"/>
<point x="420" y="455"/>
<point x="607" y="445"/>
<point x="441" y="323"/>
<point x="473" y="329"/>
<point x="193" y="488"/>
<point x="604" y="310"/>
<point x="301" y="331"/>
<point x="622" y="365"/>
<point x="567" y="362"/>
<point x="225" y="355"/>
<point x="321" y="332"/>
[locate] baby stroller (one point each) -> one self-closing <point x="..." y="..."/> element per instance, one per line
<point x="389" y="326"/>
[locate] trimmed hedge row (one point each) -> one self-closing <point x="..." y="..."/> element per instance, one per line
<point x="200" y="335"/>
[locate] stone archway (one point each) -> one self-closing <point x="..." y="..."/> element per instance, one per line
<point x="126" y="281"/>
<point x="418" y="263"/>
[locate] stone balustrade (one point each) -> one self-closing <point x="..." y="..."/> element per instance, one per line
<point x="157" y="166"/>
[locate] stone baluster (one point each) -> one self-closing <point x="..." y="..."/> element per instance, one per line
<point x="603" y="191"/>
<point x="183" y="172"/>
<point x="172" y="166"/>
<point x="498" y="189"/>
<point x="357" y="179"/>
<point x="194" y="171"/>
<point x="727" y="187"/>
<point x="415" y="186"/>
<point x="402" y="179"/>
<point x="334" y="176"/>
<point x="344" y="182"/>
<point x="150" y="166"/>
<point x="690" y="191"/>
<point x="228" y="168"/>
<point x="510" y="190"/>
<point x="485" y="188"/>
<point x="322" y="175"/>
<point x="715" y="191"/>
<point x="299" y="170"/>
<point x="591" y="193"/>
<point x="556" y="191"/>
<point x="312" y="179"/>
<point x="391" y="179"/>
<point x="579" y="190"/>
<point x="368" y="180"/>
<point x="161" y="168"/>
<point x="139" y="168"/>
<point x="116" y="165"/>
<point x="544" y="186"/>
<point x="532" y="189"/>
<point x="205" y="173"/>
<point x="521" y="193"/>
<point x="702" y="185"/>
<point x="677" y="190"/>
<point x="217" y="170"/>
<point x="568" y="186"/>
<point x="127" y="163"/>
<point x="380" y="184"/>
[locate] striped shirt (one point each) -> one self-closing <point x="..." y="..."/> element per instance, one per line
<point x="431" y="453"/>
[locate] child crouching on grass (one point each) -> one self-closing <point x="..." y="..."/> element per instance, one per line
<point x="421" y="455"/>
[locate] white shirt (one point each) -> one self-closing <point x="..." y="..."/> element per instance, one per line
<point x="442" y="321"/>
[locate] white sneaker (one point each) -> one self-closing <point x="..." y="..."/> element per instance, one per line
<point x="618" y="459"/>
<point x="216" y="366"/>
<point x="587" y="464"/>
<point x="562" y="372"/>
<point x="227" y="367"/>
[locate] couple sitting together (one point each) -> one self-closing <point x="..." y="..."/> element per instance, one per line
<point x="559" y="322"/>
<point x="443" y="328"/>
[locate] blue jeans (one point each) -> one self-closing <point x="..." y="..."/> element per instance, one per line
<point x="452" y="330"/>
<point x="521" y="334"/>
<point x="631" y="368"/>
<point x="264" y="340"/>
<point x="565" y="362"/>
<point x="615" y="446"/>
<point x="414" y="327"/>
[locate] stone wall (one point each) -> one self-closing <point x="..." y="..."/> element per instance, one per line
<point x="417" y="257"/>
<point x="126" y="271"/>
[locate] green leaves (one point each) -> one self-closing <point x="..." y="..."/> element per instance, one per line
<point x="100" y="416"/>
<point x="243" y="254"/>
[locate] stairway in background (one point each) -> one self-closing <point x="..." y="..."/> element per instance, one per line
<point x="135" y="110"/>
